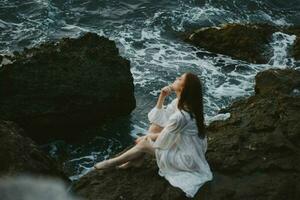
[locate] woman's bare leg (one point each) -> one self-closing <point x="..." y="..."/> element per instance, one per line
<point x="131" y="154"/>
<point x="137" y="162"/>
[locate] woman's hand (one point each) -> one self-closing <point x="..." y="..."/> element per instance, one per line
<point x="150" y="136"/>
<point x="145" y="141"/>
<point x="139" y="139"/>
<point x="165" y="91"/>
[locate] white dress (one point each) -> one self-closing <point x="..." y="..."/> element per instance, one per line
<point x="179" y="151"/>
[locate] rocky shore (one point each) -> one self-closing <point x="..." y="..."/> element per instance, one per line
<point x="254" y="154"/>
<point x="54" y="90"/>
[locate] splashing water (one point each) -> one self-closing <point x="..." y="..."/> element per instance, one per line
<point x="146" y="34"/>
<point x="281" y="43"/>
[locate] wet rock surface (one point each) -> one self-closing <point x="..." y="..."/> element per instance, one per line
<point x="295" y="52"/>
<point x="258" y="147"/>
<point x="248" y="42"/>
<point x="254" y="154"/>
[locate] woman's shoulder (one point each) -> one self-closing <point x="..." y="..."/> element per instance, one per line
<point x="180" y="115"/>
<point x="174" y="101"/>
<point x="183" y="115"/>
<point x="179" y="118"/>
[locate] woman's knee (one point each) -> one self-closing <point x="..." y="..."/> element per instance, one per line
<point x="141" y="148"/>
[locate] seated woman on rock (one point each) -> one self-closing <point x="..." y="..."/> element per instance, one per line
<point x="176" y="138"/>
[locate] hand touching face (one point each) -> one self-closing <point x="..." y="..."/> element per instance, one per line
<point x="165" y="91"/>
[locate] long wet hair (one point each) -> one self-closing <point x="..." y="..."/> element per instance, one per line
<point x="191" y="100"/>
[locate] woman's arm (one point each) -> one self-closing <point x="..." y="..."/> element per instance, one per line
<point x="165" y="91"/>
<point x="153" y="136"/>
<point x="170" y="135"/>
<point x="160" y="114"/>
<point x="160" y="101"/>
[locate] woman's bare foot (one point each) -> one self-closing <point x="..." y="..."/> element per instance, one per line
<point x="125" y="165"/>
<point x="134" y="163"/>
<point x="103" y="164"/>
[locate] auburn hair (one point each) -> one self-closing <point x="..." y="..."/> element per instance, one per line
<point x="191" y="100"/>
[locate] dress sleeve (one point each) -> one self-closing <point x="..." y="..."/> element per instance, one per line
<point x="161" y="116"/>
<point x="170" y="134"/>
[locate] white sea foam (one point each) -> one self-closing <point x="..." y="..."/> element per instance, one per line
<point x="280" y="44"/>
<point x="221" y="116"/>
<point x="156" y="58"/>
<point x="161" y="60"/>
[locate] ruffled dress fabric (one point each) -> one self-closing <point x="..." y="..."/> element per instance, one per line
<point x="179" y="151"/>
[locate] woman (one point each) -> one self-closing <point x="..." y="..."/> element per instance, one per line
<point x="176" y="138"/>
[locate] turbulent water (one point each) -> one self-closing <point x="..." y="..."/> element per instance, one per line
<point x="145" y="32"/>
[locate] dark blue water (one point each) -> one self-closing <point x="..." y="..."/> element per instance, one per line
<point x="146" y="33"/>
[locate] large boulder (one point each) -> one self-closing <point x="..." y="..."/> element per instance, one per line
<point x="57" y="88"/>
<point x="248" y="42"/>
<point x="277" y="82"/>
<point x="19" y="155"/>
<point x="254" y="154"/>
<point x="245" y="42"/>
<point x="257" y="149"/>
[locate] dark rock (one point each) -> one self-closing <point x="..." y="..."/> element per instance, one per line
<point x="20" y="155"/>
<point x="296" y="51"/>
<point x="275" y="81"/>
<point x="258" y="147"/>
<point x="254" y="154"/>
<point x="246" y="42"/>
<point x="132" y="183"/>
<point x="59" y="88"/>
<point x="296" y="47"/>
